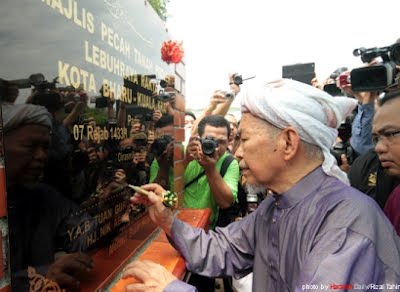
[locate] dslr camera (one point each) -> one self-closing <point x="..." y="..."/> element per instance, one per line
<point x="208" y="145"/>
<point x="160" y="145"/>
<point x="379" y="76"/>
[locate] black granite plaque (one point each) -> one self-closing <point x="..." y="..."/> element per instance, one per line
<point x="87" y="107"/>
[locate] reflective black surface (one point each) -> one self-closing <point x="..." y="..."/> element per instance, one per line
<point x="96" y="67"/>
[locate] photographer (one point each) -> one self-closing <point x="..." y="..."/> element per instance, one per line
<point x="366" y="173"/>
<point x="204" y="185"/>
<point x="220" y="101"/>
<point x="361" y="139"/>
<point x="162" y="150"/>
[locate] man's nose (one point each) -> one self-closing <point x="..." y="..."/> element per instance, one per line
<point x="381" y="146"/>
<point x="239" y="152"/>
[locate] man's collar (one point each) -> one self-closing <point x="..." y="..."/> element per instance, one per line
<point x="306" y="186"/>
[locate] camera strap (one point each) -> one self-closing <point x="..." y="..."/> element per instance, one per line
<point x="224" y="167"/>
<point x="195" y="179"/>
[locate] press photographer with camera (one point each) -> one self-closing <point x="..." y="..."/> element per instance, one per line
<point x="221" y="101"/>
<point x="205" y="187"/>
<point x="365" y="84"/>
<point x="217" y="187"/>
<point x="366" y="172"/>
<point x="162" y="151"/>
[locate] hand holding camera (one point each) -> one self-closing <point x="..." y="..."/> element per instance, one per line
<point x="204" y="151"/>
<point x="156" y="115"/>
<point x="208" y="154"/>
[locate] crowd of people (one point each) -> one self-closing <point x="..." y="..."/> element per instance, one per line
<point x="327" y="219"/>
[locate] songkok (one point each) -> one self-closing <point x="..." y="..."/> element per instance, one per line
<point x="17" y="115"/>
<point x="315" y="114"/>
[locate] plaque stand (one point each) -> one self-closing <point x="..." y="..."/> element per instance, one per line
<point x="150" y="243"/>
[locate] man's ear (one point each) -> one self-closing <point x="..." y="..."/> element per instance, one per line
<point x="289" y="143"/>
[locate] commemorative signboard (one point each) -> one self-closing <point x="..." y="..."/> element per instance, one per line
<point x="87" y="109"/>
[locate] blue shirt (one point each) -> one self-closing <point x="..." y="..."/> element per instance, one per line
<point x="361" y="130"/>
<point x="320" y="232"/>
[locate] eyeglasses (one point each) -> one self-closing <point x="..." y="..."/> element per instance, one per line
<point x="388" y="136"/>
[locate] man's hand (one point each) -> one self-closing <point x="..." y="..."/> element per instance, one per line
<point x="316" y="83"/>
<point x="208" y="162"/>
<point x="233" y="86"/>
<point x="69" y="269"/>
<point x="217" y="98"/>
<point x="166" y="159"/>
<point x="345" y="166"/>
<point x="157" y="115"/>
<point x="194" y="147"/>
<point x="364" y="97"/>
<point x="159" y="214"/>
<point x="195" y="152"/>
<point x="153" y="277"/>
<point x="120" y="176"/>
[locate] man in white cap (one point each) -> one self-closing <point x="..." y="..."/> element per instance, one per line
<point x="313" y="232"/>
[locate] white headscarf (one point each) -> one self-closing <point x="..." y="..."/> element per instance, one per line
<point x="315" y="114"/>
<point x="16" y="115"/>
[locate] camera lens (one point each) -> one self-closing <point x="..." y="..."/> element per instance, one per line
<point x="358" y="52"/>
<point x="230" y="95"/>
<point x="208" y="146"/>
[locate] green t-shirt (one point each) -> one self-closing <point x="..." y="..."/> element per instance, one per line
<point x="198" y="194"/>
<point x="154" y="167"/>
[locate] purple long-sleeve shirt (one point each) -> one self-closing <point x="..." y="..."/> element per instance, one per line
<point x="320" y="232"/>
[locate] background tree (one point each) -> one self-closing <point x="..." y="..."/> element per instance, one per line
<point x="160" y="6"/>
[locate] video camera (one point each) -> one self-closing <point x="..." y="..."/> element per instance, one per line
<point x="379" y="76"/>
<point x="38" y="81"/>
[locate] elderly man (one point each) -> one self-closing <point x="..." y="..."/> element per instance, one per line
<point x="41" y="220"/>
<point x="314" y="232"/>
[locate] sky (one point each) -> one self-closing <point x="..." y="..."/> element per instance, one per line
<point x="258" y="37"/>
